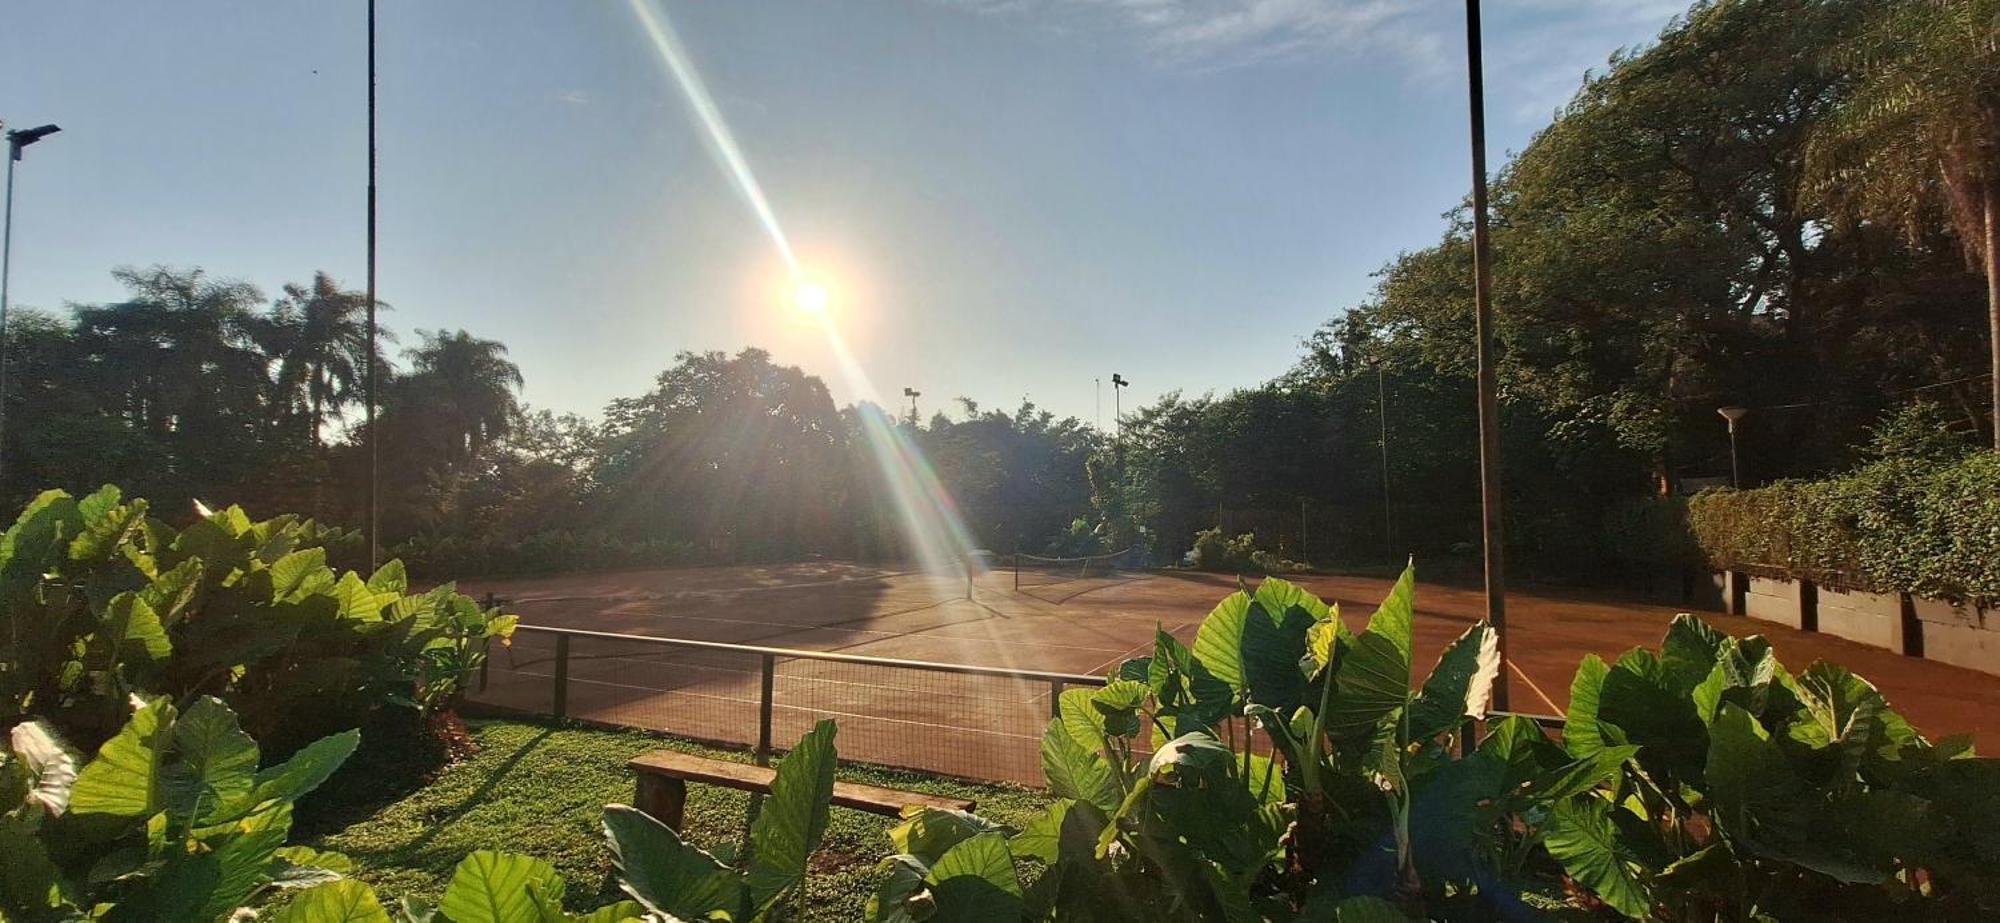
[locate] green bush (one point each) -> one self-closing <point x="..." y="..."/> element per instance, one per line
<point x="1899" y="525"/>
<point x="100" y="602"/>
<point x="1239" y="555"/>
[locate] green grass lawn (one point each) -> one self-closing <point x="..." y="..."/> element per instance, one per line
<point x="540" y="789"/>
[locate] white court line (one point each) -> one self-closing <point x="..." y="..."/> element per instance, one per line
<point x="1551" y="703"/>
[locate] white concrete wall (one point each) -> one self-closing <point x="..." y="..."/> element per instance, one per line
<point x="1772" y="600"/>
<point x="1960" y="635"/>
<point x="1870" y="618"/>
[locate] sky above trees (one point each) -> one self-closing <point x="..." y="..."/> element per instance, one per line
<point x="1010" y="198"/>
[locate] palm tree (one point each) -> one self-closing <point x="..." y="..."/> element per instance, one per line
<point x="1920" y="129"/>
<point x="467" y="384"/>
<point x="319" y="337"/>
<point x="181" y="355"/>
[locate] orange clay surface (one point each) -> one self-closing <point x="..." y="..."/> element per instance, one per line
<point x="987" y="727"/>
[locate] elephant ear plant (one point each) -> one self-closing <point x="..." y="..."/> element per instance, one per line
<point x="172" y="820"/>
<point x="100" y="601"/>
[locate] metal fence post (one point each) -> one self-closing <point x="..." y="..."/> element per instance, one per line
<point x="1055" y="698"/>
<point x="485" y="657"/>
<point x="562" y="676"/>
<point x="764" y="711"/>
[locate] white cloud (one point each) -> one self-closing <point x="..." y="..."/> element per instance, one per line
<point x="573" y="97"/>
<point x="1424" y="35"/>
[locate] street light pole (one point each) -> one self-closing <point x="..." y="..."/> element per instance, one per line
<point x="1489" y="401"/>
<point x="372" y="375"/>
<point x="913" y="394"/>
<point x="1118" y="383"/>
<point x="16" y="140"/>
<point x="1733" y="414"/>
<point x="1382" y="418"/>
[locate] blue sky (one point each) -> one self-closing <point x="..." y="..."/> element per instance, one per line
<point x="1008" y="197"/>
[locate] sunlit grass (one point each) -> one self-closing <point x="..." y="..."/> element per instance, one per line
<point x="540" y="789"/>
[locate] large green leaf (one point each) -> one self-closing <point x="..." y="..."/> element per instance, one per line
<point x="1460" y="686"/>
<point x="495" y="887"/>
<point x="28" y="549"/>
<point x="1274" y="643"/>
<point x="1581" y="836"/>
<point x="133" y="631"/>
<point x="1583" y="731"/>
<point x="214" y="763"/>
<point x="105" y="523"/>
<point x="1218" y="644"/>
<point x="1841" y="709"/>
<point x="1689" y="651"/>
<point x="335" y="902"/>
<point x="1639" y="699"/>
<point x="1758" y="797"/>
<point x="1277" y="595"/>
<point x="123" y="781"/>
<point x="904" y="896"/>
<point x="975" y="881"/>
<point x="243" y="859"/>
<point x="1076" y="772"/>
<point x="294" y="778"/>
<point x="1043" y="835"/>
<point x="666" y="874"/>
<point x="927" y="832"/>
<point x="1374" y="676"/>
<point x="788" y="828"/>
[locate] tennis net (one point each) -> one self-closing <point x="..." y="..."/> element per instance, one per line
<point x="1032" y="570"/>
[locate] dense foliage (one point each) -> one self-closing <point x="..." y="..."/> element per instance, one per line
<point x="174" y="819"/>
<point x="100" y="602"/>
<point x="1703" y="781"/>
<point x="1912" y="526"/>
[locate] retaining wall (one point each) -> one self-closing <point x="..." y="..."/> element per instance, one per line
<point x="1964" y="636"/>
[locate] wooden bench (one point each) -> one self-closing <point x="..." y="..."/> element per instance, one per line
<point x="664" y="775"/>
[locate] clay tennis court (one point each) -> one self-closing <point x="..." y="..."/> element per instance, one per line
<point x="982" y="726"/>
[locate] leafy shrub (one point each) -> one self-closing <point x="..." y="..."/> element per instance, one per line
<point x="540" y="552"/>
<point x="1701" y="782"/>
<point x="1239" y="555"/>
<point x="99" y="602"/>
<point x="173" y="820"/>
<point x="1893" y="526"/>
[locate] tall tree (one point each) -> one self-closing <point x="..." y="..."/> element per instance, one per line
<point x="1919" y="131"/>
<point x="319" y="336"/>
<point x="466" y="386"/>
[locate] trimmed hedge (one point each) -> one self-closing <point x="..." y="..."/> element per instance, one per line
<point x="1927" y="529"/>
<point x="556" y="551"/>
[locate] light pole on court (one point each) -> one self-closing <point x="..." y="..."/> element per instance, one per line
<point x="1489" y="401"/>
<point x="16" y="140"/>
<point x="913" y="394"/>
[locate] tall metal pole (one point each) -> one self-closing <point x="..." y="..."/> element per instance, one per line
<point x="1489" y="401"/>
<point x="1382" y="419"/>
<point x="374" y="434"/>
<point x="6" y="269"/>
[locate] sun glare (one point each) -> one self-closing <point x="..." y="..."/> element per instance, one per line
<point x="811" y="297"/>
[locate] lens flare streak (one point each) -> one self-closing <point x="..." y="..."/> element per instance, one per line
<point x="932" y="529"/>
<point x="716" y="132"/>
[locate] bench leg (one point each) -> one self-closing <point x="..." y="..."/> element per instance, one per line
<point x="664" y="798"/>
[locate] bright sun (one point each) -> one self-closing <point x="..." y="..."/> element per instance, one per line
<point x="811" y="297"/>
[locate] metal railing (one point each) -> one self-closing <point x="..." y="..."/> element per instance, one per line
<point x="981" y="722"/>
